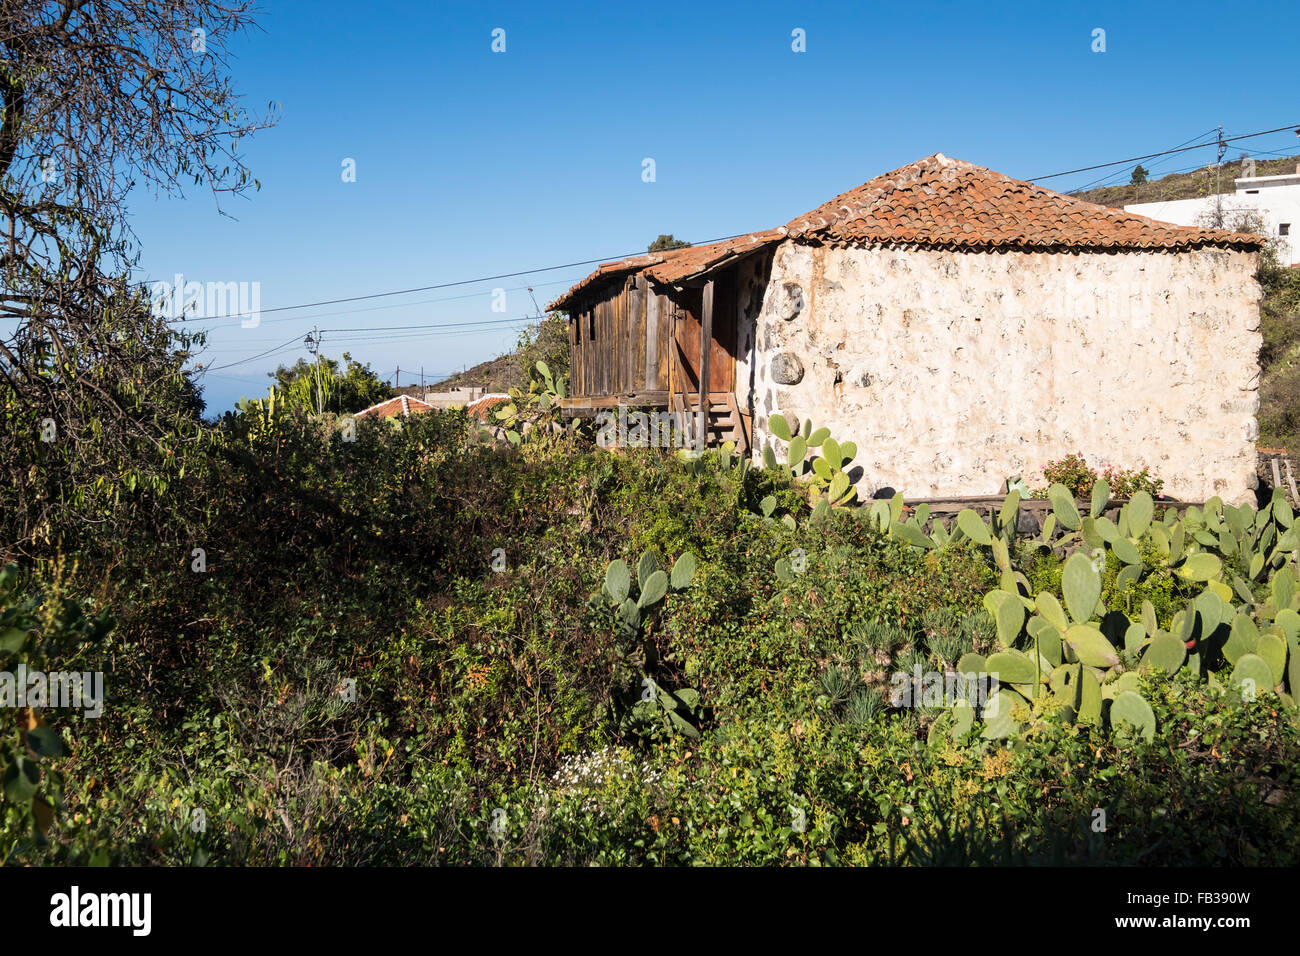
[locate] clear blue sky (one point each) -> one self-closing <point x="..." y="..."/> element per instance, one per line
<point x="472" y="163"/>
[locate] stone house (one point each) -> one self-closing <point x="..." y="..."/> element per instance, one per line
<point x="961" y="327"/>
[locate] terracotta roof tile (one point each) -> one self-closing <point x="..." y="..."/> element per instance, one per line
<point x="674" y="265"/>
<point x="403" y="405"/>
<point x="939" y="201"/>
<point x="482" y="408"/>
<point x="936" y="202"/>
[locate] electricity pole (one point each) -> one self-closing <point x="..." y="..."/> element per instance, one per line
<point x="320" y="392"/>
<point x="313" y="346"/>
<point x="1223" y="148"/>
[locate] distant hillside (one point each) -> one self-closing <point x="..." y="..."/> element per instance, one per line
<point x="548" y="341"/>
<point x="1199" y="182"/>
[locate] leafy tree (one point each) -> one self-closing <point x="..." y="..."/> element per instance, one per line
<point x="1140" y="174"/>
<point x="546" y="342"/>
<point x="97" y="98"/>
<point x="34" y="629"/>
<point x="93" y="428"/>
<point x="346" y="388"/>
<point x="667" y="242"/>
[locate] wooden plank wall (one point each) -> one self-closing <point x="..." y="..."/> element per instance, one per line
<point x="577" y="335"/>
<point x="634" y="354"/>
<point x="591" y="350"/>
<point x="610" y="352"/>
<point x="653" y="317"/>
<point x="619" y="344"/>
<point x="578" y="377"/>
<point x="604" y="347"/>
<point x="706" y="344"/>
<point x="599" y="342"/>
<point x="665" y="333"/>
<point x="722" y="361"/>
<point x="601" y="345"/>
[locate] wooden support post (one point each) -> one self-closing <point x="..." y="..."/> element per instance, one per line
<point x="706" y="348"/>
<point x="651" y="378"/>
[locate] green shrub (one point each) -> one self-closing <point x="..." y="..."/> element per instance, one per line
<point x="1078" y="477"/>
<point x="392" y="657"/>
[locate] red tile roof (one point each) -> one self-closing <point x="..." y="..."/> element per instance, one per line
<point x="939" y="201"/>
<point x="936" y="202"/>
<point x="403" y="405"/>
<point x="482" y="408"/>
<point x="674" y="265"/>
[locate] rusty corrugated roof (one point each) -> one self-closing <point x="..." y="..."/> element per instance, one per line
<point x="936" y="202"/>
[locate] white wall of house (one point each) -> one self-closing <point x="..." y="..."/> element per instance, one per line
<point x="1275" y="199"/>
<point x="750" y="290"/>
<point x="953" y="371"/>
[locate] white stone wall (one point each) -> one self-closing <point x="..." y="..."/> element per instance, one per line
<point x="953" y="371"/>
<point x="750" y="287"/>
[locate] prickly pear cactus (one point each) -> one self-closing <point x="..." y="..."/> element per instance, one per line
<point x="1080" y="651"/>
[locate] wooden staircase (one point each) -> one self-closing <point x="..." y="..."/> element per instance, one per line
<point x="723" y="419"/>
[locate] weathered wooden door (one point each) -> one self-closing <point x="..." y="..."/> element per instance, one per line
<point x="687" y="336"/>
<point x="722" y="358"/>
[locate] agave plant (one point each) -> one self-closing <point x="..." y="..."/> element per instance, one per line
<point x="836" y="684"/>
<point x="864" y="706"/>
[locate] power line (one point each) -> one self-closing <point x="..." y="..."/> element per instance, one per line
<point x="448" y="285"/>
<point x="608" y="258"/>
<point x="1285" y="154"/>
<point x="355" y="340"/>
<point x="376" y="308"/>
<point x="438" y="325"/>
<point x="1103" y="179"/>
<point x="366" y="339"/>
<point x="1199" y="167"/>
<point x="509" y="275"/>
<point x="252" y="358"/>
<point x="1165" y="152"/>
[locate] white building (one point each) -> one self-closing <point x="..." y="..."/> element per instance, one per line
<point x="1274" y="199"/>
